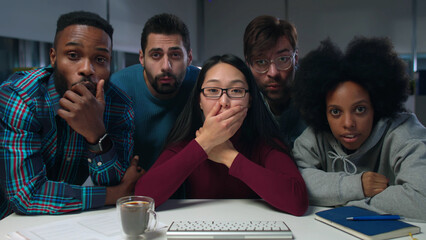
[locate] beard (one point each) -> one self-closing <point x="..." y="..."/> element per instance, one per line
<point x="165" y="88"/>
<point x="61" y="83"/>
<point x="286" y="88"/>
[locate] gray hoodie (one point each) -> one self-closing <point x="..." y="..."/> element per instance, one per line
<point x="396" y="148"/>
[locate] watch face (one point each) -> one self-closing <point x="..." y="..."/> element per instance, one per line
<point x="100" y="146"/>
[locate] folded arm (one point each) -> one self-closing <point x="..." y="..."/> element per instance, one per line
<point x="24" y="168"/>
<point x="405" y="196"/>
<point x="324" y="188"/>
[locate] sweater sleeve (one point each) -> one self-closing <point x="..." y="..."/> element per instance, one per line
<point x="170" y="171"/>
<point x="324" y="188"/>
<point x="404" y="151"/>
<point x="277" y="180"/>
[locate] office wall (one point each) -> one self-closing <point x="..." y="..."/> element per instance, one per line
<point x="36" y="20"/>
<point x="341" y="20"/>
<point x="315" y="20"/>
<point x="129" y="16"/>
<point x="224" y="21"/>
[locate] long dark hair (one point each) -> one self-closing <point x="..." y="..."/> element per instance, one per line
<point x="257" y="126"/>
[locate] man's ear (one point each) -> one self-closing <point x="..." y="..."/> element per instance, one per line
<point x="52" y="56"/>
<point x="141" y="59"/>
<point x="296" y="57"/>
<point x="189" y="57"/>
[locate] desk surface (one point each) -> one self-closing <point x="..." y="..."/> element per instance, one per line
<point x="305" y="227"/>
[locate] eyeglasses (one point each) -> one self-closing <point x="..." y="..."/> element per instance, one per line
<point x="282" y="63"/>
<point x="216" y="92"/>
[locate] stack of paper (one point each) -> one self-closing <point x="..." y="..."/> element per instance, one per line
<point x="103" y="226"/>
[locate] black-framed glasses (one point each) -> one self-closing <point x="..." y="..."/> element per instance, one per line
<point x="282" y="63"/>
<point x="216" y="92"/>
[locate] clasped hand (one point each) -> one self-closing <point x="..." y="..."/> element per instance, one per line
<point x="373" y="183"/>
<point x="84" y="112"/>
<point x="127" y="184"/>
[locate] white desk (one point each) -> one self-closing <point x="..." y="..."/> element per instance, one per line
<point x="243" y="209"/>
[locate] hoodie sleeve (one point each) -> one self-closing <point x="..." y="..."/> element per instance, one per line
<point x="324" y="188"/>
<point x="404" y="156"/>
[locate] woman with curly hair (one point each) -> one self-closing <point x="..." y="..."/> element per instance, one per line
<point x="225" y="145"/>
<point x="361" y="147"/>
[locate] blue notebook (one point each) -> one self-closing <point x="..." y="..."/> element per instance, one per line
<point x="377" y="229"/>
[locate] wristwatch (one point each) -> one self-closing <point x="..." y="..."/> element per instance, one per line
<point x="103" y="144"/>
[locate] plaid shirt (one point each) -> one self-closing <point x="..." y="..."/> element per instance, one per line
<point x="43" y="161"/>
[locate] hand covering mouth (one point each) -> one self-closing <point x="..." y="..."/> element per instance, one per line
<point x="91" y="86"/>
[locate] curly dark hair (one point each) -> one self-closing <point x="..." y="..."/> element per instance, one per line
<point x="374" y="64"/>
<point x="318" y="71"/>
<point x="370" y="62"/>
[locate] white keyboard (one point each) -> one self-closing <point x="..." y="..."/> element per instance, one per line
<point x="228" y="230"/>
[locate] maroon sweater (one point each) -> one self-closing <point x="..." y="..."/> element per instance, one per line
<point x="268" y="173"/>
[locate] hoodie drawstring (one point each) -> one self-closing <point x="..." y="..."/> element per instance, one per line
<point x="346" y="162"/>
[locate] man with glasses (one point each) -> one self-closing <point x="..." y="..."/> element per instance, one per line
<point x="270" y="49"/>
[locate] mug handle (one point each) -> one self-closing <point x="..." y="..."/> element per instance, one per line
<point x="154" y="214"/>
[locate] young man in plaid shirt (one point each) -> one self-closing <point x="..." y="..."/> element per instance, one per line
<point x="63" y="123"/>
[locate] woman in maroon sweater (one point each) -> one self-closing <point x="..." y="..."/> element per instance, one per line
<point x="225" y="145"/>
